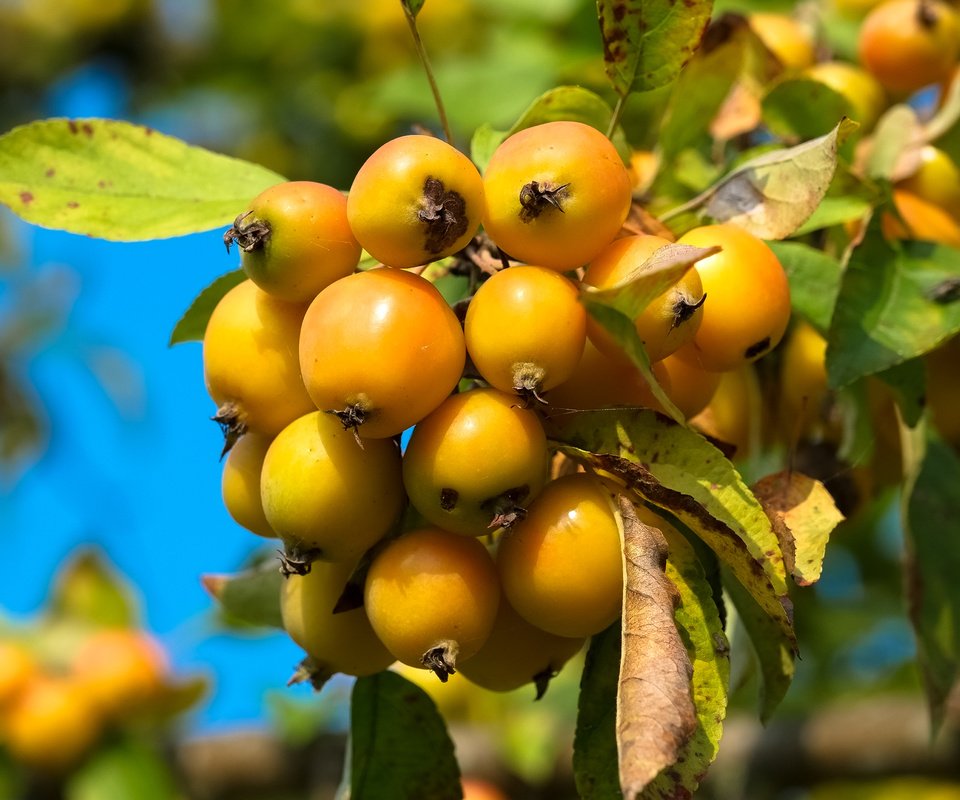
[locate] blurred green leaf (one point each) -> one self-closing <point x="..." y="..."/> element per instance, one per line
<point x="698" y="619"/>
<point x="885" y="311"/>
<point x="814" y="281"/>
<point x="896" y="130"/>
<point x="835" y="211"/>
<point x="399" y="745"/>
<point x="595" y="741"/>
<point x="797" y="109"/>
<point x="647" y="42"/>
<point x="675" y="468"/>
<point x="192" y="326"/>
<point x="908" y="382"/>
<point x="119" y="181"/>
<point x="413" y="6"/>
<point x="931" y="522"/>
<point x="774" y="651"/>
<point x="126" y="769"/>
<point x="88" y="590"/>
<point x="774" y="194"/>
<point x="249" y="598"/>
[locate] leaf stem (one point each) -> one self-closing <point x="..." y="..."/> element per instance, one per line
<point x="617" y="115"/>
<point x="425" y="62"/>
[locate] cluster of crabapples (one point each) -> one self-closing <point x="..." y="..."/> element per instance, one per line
<point x="318" y="369"/>
<point x="55" y="708"/>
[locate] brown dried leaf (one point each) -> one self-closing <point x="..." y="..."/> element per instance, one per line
<point x="803" y="514"/>
<point x="655" y="711"/>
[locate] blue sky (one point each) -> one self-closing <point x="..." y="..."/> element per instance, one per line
<point x="140" y="479"/>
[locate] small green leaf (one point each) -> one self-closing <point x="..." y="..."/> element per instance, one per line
<point x="249" y="598"/>
<point x="119" y="181"/>
<point x="931" y="522"/>
<point x="698" y="619"/>
<point x="192" y="326"/>
<point x="572" y="103"/>
<point x="886" y="310"/>
<point x="647" y="42"/>
<point x="835" y="211"/>
<point x="413" y="6"/>
<point x="399" y="746"/>
<point x="814" y="281"/>
<point x="908" y="381"/>
<point x="774" y="194"/>
<point x="595" y="741"/>
<point x="775" y="652"/>
<point x="89" y="590"/>
<point x="675" y="468"/>
<point x="797" y="109"/>
<point x="128" y="768"/>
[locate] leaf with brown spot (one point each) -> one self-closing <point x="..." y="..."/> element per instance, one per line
<point x="775" y="193"/>
<point x="655" y="711"/>
<point x="675" y="468"/>
<point x="803" y="515"/>
<point x="646" y="43"/>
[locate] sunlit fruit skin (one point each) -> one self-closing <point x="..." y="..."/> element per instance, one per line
<point x="240" y="483"/>
<point x="943" y="389"/>
<point x="909" y="44"/>
<point x="384" y="341"/>
<point x="937" y="180"/>
<point x="122" y="670"/>
<point x="321" y="491"/>
<point x="865" y="95"/>
<point x="561" y="566"/>
<point x="430" y="587"/>
<point x="734" y="412"/>
<point x="295" y="240"/>
<point x="785" y="37"/>
<point x="250" y="358"/>
<point x="555" y="194"/>
<point x="479" y="455"/>
<point x="748" y="305"/>
<point x="643" y="169"/>
<point x="921" y="220"/>
<point x="478" y="789"/>
<point x="17" y="667"/>
<point x="416" y="199"/>
<point x="518" y="653"/>
<point x="525" y="329"/>
<point x="343" y="642"/>
<point x="602" y="382"/>
<point x="669" y="321"/>
<point x="51" y="724"/>
<point x="688" y="386"/>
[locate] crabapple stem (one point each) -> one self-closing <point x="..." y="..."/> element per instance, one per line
<point x="425" y="62"/>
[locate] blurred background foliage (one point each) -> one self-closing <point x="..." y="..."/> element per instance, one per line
<point x="309" y="89"/>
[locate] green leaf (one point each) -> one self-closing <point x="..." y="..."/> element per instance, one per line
<point x="775" y="652"/>
<point x="698" y="619"/>
<point x="675" y="468"/>
<point x="814" y="281"/>
<point x="647" y="42"/>
<point x="774" y="194"/>
<point x="119" y="181"/>
<point x="249" y="598"/>
<point x="88" y="590"/>
<point x="698" y="95"/>
<point x="126" y="769"/>
<point x="909" y="384"/>
<point x="413" y="6"/>
<point x="193" y="324"/>
<point x="560" y="103"/>
<point x="931" y="522"/>
<point x="399" y="744"/>
<point x="887" y="310"/>
<point x="835" y="211"/>
<point x="595" y="741"/>
<point x="797" y="109"/>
